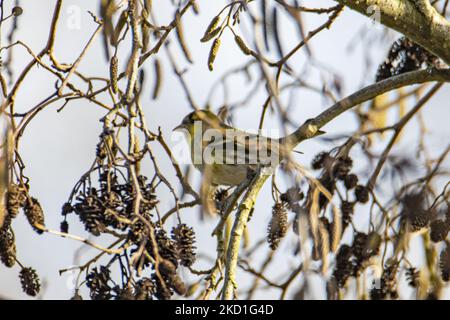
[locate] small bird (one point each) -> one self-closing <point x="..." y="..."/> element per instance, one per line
<point x="225" y="154"/>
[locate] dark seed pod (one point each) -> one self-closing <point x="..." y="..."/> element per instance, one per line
<point x="7" y="247"/>
<point x="66" y="209"/>
<point x="64" y="227"/>
<point x="137" y="232"/>
<point x="347" y="212"/>
<point x="30" y="281"/>
<point x="404" y="56"/>
<point x="162" y="291"/>
<point x="361" y="193"/>
<point x="220" y="196"/>
<point x="278" y="225"/>
<point x="418" y="222"/>
<point x="97" y="282"/>
<point x="319" y="160"/>
<point x="344" y="268"/>
<point x="166" y="247"/>
<point x="329" y="184"/>
<point x="413" y="211"/>
<point x="168" y="270"/>
<point x="377" y="294"/>
<point x="359" y="245"/>
<point x="444" y="263"/>
<point x="350" y="181"/>
<point x="144" y="289"/>
<point x="76" y="296"/>
<point x="413" y="275"/>
<point x="90" y="211"/>
<point x="178" y="285"/>
<point x="292" y="196"/>
<point x="384" y="71"/>
<point x="125" y="293"/>
<point x="439" y="230"/>
<point x="184" y="238"/>
<point x="389" y="281"/>
<point x="15" y="199"/>
<point x="35" y="215"/>
<point x="342" y="167"/>
<point x="432" y="296"/>
<point x="364" y="246"/>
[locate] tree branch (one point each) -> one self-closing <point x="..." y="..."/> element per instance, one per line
<point x="310" y="127"/>
<point x="240" y="222"/>
<point x="416" y="19"/>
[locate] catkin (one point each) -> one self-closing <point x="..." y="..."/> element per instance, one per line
<point x="336" y="231"/>
<point x="195" y="7"/>
<point x="4" y="87"/>
<point x="324" y="245"/>
<point x="158" y="79"/>
<point x="213" y="53"/>
<point x="276" y="32"/>
<point x="145" y="38"/>
<point x="113" y="67"/>
<point x="119" y="26"/>
<point x="137" y="164"/>
<point x="145" y="31"/>
<point x="181" y="38"/>
<point x="241" y="44"/>
<point x="212" y="30"/>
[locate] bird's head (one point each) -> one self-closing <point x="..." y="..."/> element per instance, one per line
<point x="207" y="118"/>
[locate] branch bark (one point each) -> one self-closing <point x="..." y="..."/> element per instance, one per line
<point x="240" y="222"/>
<point x="310" y="127"/>
<point x="416" y="19"/>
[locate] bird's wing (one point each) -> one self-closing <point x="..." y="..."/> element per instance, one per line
<point x="239" y="147"/>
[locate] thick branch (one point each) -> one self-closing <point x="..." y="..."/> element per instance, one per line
<point x="240" y="222"/>
<point x="309" y="128"/>
<point x="416" y="19"/>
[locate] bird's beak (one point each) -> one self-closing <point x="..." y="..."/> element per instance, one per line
<point x="180" y="127"/>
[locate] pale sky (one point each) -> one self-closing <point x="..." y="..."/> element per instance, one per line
<point x="58" y="147"/>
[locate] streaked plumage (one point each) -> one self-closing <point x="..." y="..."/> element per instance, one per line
<point x="226" y="153"/>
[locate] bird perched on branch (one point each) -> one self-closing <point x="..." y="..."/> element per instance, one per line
<point x="225" y="154"/>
